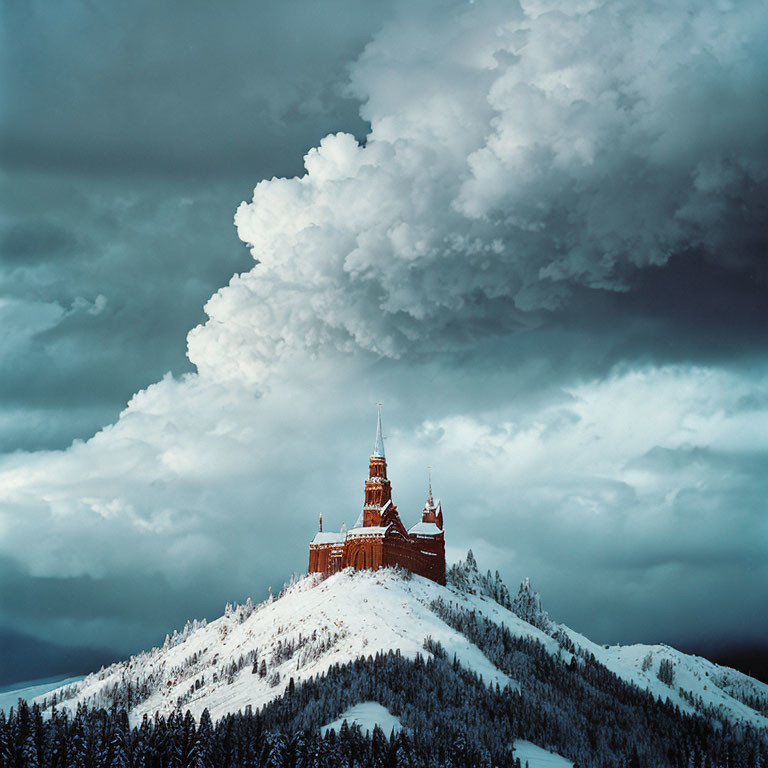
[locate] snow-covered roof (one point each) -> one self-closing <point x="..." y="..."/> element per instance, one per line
<point x="425" y="529"/>
<point x="368" y="530"/>
<point x="328" y="537"/>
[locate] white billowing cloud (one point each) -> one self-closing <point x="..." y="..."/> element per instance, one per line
<point x="608" y="430"/>
<point x="515" y="152"/>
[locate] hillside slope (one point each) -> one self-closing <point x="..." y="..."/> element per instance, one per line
<point x="248" y="656"/>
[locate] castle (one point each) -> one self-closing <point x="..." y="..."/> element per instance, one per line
<point x="379" y="538"/>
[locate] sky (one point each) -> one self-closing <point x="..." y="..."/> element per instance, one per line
<point x="536" y="231"/>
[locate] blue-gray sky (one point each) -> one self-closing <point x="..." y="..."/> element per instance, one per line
<point x="536" y="231"/>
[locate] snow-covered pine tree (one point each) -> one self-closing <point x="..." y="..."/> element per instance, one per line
<point x="527" y="605"/>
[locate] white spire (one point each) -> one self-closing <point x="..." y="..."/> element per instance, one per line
<point x="429" y="496"/>
<point x="378" y="448"/>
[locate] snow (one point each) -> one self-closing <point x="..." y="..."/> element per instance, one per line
<point x="367" y="715"/>
<point x="538" y="757"/>
<point x="425" y="529"/>
<point x="368" y="611"/>
<point x="329" y="537"/>
<point x="357" y="613"/>
<point x="369" y="530"/>
<point x="32" y="689"/>
<point x="694" y="674"/>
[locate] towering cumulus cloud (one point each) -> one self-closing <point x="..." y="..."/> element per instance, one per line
<point x="515" y="152"/>
<point x="520" y="157"/>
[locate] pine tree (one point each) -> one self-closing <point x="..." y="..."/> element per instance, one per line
<point x="29" y="756"/>
<point x="666" y="672"/>
<point x="118" y="750"/>
<point x="277" y="750"/>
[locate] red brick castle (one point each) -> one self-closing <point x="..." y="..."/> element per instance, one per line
<point x="379" y="538"/>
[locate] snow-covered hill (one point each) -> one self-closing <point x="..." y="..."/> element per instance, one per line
<point x="248" y="656"/>
<point x="313" y="625"/>
<point x="698" y="684"/>
<point x="32" y="689"/>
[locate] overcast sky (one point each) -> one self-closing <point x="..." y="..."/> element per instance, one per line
<point x="535" y="231"/>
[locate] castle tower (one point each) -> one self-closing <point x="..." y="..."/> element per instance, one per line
<point x="429" y="515"/>
<point x="378" y="489"/>
<point x="433" y="513"/>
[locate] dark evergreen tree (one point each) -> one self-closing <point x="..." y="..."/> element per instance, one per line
<point x="666" y="672"/>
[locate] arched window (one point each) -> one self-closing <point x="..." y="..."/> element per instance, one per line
<point x="360" y="560"/>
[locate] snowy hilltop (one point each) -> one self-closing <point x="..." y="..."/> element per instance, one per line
<point x="254" y="653"/>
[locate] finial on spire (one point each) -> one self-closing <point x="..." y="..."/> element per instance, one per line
<point x="429" y="495"/>
<point x="378" y="448"/>
<point x="320" y="521"/>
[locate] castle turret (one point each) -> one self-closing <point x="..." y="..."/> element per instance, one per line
<point x="378" y="490"/>
<point x="429" y="515"/>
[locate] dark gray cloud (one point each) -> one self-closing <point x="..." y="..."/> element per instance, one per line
<point x="547" y="260"/>
<point x="26" y="657"/>
<point x="37" y="241"/>
<point x="159" y="88"/>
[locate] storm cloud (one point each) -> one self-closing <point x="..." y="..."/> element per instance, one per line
<point x="545" y="254"/>
<point x="512" y="157"/>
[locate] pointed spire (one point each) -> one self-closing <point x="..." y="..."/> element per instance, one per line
<point x="378" y="448"/>
<point x="429" y="495"/>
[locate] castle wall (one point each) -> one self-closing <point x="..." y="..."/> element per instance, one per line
<point x="424" y="556"/>
<point x="325" y="558"/>
<point x="363" y="553"/>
